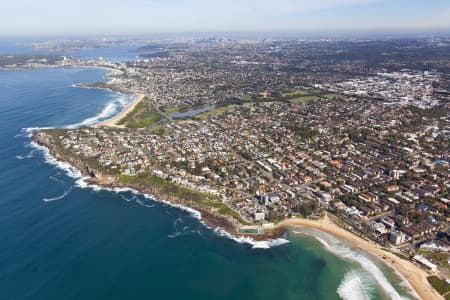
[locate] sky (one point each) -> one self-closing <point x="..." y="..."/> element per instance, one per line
<point x="93" y="17"/>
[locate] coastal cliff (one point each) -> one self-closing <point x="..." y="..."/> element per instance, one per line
<point x="210" y="216"/>
<point x="214" y="219"/>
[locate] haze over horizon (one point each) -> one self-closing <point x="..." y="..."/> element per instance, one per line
<point x="81" y="17"/>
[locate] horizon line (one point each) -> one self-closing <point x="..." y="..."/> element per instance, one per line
<point x="308" y="32"/>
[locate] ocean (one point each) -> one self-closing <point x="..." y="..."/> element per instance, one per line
<point x="63" y="240"/>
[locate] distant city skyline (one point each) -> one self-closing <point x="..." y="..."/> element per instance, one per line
<point x="102" y="17"/>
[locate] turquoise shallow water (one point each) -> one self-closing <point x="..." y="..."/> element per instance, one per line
<point x="62" y="241"/>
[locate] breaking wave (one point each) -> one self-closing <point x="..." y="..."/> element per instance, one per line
<point x="58" y="197"/>
<point x="111" y="108"/>
<point x="266" y="244"/>
<point x="141" y="203"/>
<point x="29" y="155"/>
<point x="337" y="248"/>
<point x="270" y="243"/>
<point x="355" y="286"/>
<point x="55" y="179"/>
<point x="81" y="182"/>
<point x="66" y="167"/>
<point x="26" y="132"/>
<point x="126" y="198"/>
<point x="355" y="281"/>
<point x="178" y="231"/>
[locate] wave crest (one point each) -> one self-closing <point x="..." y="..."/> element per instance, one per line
<point x="355" y="286"/>
<point x="266" y="244"/>
<point x="111" y="108"/>
<point x="70" y="170"/>
<point x="58" y="197"/>
<point x="370" y="268"/>
<point x="82" y="183"/>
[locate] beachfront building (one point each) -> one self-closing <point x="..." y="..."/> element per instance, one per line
<point x="397" y="237"/>
<point x="425" y="262"/>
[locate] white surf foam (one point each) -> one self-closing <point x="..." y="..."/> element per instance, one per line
<point x="66" y="167"/>
<point x="336" y="247"/>
<point x="266" y="244"/>
<point x="26" y="132"/>
<point x="110" y="109"/>
<point x="182" y="229"/>
<point x="22" y="134"/>
<point x="58" y="197"/>
<point x="125" y="100"/>
<point x="29" y="155"/>
<point x="127" y="199"/>
<point x="141" y="203"/>
<point x="55" y="179"/>
<point x="407" y="286"/>
<point x="177" y="232"/>
<point x="82" y="183"/>
<point x="174" y="235"/>
<point x="355" y="286"/>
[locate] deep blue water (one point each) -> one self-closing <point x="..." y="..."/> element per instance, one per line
<point x="62" y="241"/>
<point x="113" y="53"/>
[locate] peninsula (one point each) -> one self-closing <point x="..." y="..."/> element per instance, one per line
<point x="283" y="137"/>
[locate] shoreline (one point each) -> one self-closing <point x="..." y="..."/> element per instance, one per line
<point x="412" y="274"/>
<point x="415" y="276"/>
<point x="112" y="122"/>
<point x="93" y="178"/>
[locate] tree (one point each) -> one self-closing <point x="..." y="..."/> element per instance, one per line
<point x="273" y="216"/>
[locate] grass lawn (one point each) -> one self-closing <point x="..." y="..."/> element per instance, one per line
<point x="170" y="110"/>
<point x="301" y="93"/>
<point x="203" y="199"/>
<point x="436" y="257"/>
<point x="333" y="96"/>
<point x="159" y="129"/>
<point x="304" y="99"/>
<point x="216" y="111"/>
<point x="143" y="115"/>
<point x="439" y="285"/>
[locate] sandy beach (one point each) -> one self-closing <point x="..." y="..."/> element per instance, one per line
<point x="112" y="122"/>
<point x="416" y="277"/>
